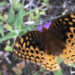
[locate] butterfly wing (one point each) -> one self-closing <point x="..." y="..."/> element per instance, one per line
<point x="43" y="47"/>
<point x="68" y="55"/>
<point x="63" y="29"/>
<point x="30" y="48"/>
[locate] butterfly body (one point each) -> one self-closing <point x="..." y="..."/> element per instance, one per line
<point x="44" y="47"/>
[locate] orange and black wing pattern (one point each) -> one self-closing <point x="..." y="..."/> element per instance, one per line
<point x="44" y="47"/>
<point x="29" y="48"/>
<point x="63" y="29"/>
<point x="68" y="53"/>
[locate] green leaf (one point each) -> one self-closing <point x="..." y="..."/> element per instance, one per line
<point x="11" y="18"/>
<point x="29" y="12"/>
<point x="42" y="13"/>
<point x="37" y="14"/>
<point x="18" y="24"/>
<point x="35" y="73"/>
<point x="47" y="2"/>
<point x="1" y="31"/>
<point x="5" y="17"/>
<point x="73" y="64"/>
<point x="3" y="3"/>
<point x="8" y="48"/>
<point x="8" y="36"/>
<point x="59" y="60"/>
<point x="37" y="11"/>
<point x="8" y="27"/>
<point x="8" y="42"/>
<point x="58" y="72"/>
<point x="16" y="4"/>
<point x="42" y="70"/>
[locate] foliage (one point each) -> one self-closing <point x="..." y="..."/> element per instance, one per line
<point x="58" y="72"/>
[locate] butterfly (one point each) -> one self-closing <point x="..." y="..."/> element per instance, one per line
<point x="44" y="47"/>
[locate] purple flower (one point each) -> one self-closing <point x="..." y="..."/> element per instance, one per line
<point x="46" y="25"/>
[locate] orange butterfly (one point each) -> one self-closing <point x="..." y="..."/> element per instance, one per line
<point x="44" y="47"/>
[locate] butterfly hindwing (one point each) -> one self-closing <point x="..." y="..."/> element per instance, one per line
<point x="29" y="48"/>
<point x="68" y="56"/>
